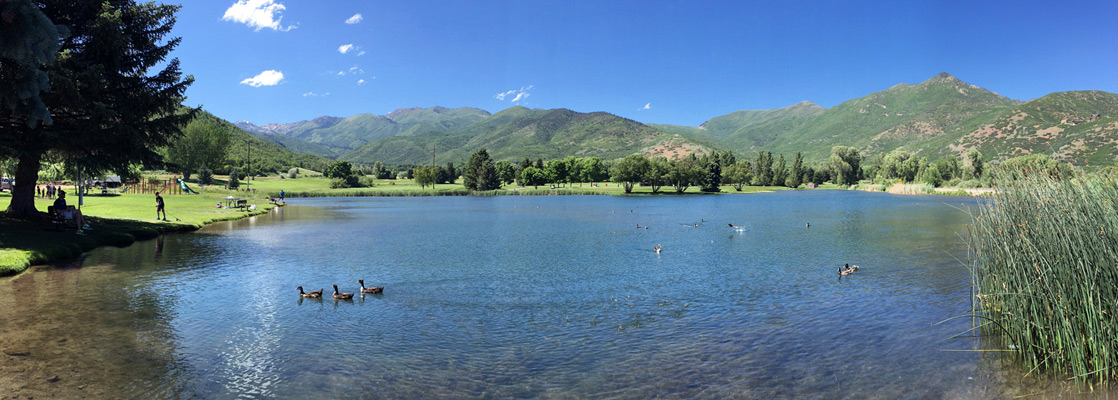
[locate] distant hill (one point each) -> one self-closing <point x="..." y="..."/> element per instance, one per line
<point x="519" y="132"/>
<point x="934" y="118"/>
<point x="1080" y="127"/>
<point x="264" y="155"/>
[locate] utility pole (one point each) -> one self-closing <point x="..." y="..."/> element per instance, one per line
<point x="432" y="155"/>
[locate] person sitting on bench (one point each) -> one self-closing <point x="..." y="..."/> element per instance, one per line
<point x="68" y="212"/>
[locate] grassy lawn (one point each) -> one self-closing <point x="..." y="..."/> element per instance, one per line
<point x="116" y="219"/>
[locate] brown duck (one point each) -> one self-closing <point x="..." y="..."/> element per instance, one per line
<point x="314" y="294"/>
<point x="342" y="296"/>
<point x="374" y="289"/>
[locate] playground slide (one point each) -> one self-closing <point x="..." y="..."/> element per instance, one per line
<point x="186" y="189"/>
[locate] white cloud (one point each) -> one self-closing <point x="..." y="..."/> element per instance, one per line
<point x="354" y="19"/>
<point x="355" y="70"/>
<point x="647" y="106"/>
<point x="360" y="81"/>
<point x="361" y="53"/>
<point x="267" y="78"/>
<point x="341" y="73"/>
<point x="257" y="14"/>
<point x="313" y="94"/>
<point x="521" y="94"/>
<point x="345" y="48"/>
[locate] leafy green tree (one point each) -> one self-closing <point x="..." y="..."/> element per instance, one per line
<point x="780" y="173"/>
<point x="340" y="169"/>
<point x="451" y="173"/>
<point x="235" y="177"/>
<point x="738" y="174"/>
<point x="728" y="159"/>
<point x="657" y="174"/>
<point x="539" y="164"/>
<point x="107" y="109"/>
<point x="480" y="173"/>
<point x="763" y="169"/>
<point x="796" y="175"/>
<point x="28" y="41"/>
<point x="629" y="171"/>
<point x="379" y="171"/>
<point x="712" y="178"/>
<point x="574" y="170"/>
<point x="1036" y="163"/>
<point x="205" y="176"/>
<point x="932" y="175"/>
<point x="845" y="165"/>
<point x="203" y="145"/>
<point x="685" y="173"/>
<point x="425" y="176"/>
<point x="593" y="170"/>
<point x="532" y="176"/>
<point x="974" y="163"/>
<point x="558" y="170"/>
<point x="506" y="173"/>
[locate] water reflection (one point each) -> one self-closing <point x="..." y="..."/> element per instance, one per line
<point x="528" y="297"/>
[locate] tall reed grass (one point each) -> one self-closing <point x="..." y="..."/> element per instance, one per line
<point x="1045" y="269"/>
<point x="444" y="192"/>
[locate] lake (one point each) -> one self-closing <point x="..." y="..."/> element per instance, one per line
<point x="522" y="297"/>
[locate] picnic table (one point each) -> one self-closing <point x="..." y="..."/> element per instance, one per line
<point x="230" y="201"/>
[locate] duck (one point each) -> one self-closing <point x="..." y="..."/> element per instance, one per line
<point x="314" y="294"/>
<point x="657" y="248"/>
<point x="844" y="272"/>
<point x="343" y="296"/>
<point x="374" y="289"/>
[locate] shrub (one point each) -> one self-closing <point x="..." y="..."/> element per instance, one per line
<point x="338" y="183"/>
<point x="205" y="176"/>
<point x="292" y="173"/>
<point x="234" y="178"/>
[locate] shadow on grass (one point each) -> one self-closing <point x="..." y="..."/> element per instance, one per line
<point x="37" y="241"/>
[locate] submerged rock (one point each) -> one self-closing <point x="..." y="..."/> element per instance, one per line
<point x="17" y="350"/>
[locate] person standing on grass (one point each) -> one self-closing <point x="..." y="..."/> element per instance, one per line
<point x="159" y="207"/>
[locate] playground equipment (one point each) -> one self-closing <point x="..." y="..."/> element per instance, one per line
<point x="186" y="189"/>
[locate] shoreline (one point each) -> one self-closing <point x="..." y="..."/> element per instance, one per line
<point x="46" y="246"/>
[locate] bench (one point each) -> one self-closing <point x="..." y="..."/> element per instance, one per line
<point x="242" y="204"/>
<point x="60" y="221"/>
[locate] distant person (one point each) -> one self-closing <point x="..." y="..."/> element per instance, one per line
<point x="49" y="194"/>
<point x="68" y="212"/>
<point x="281" y="197"/>
<point x="159" y="207"/>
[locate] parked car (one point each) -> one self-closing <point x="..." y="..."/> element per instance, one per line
<point x="6" y="183"/>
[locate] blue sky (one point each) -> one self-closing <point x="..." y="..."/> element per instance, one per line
<point x="677" y="62"/>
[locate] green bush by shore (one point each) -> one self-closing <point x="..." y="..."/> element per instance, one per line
<point x="1045" y="266"/>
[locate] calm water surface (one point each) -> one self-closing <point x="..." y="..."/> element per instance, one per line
<point x="521" y="297"/>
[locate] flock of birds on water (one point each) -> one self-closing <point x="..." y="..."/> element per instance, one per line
<point x="844" y="270"/>
<point x="342" y="296"/>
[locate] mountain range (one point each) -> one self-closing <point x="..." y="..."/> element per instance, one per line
<point x="935" y="118"/>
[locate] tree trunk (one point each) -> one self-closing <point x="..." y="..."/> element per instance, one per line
<point x="23" y="193"/>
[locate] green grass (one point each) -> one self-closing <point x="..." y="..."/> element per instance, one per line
<point x="117" y="220"/>
<point x="1045" y="255"/>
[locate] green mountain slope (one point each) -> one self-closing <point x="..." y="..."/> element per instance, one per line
<point x="751" y="128"/>
<point x="1079" y="127"/>
<point x="518" y="132"/>
<point x="265" y="156"/>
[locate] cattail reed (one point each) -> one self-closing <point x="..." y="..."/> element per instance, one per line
<point x="1045" y="258"/>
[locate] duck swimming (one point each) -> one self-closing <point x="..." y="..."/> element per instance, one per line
<point x="343" y="296"/>
<point x="374" y="289"/>
<point x="314" y="294"/>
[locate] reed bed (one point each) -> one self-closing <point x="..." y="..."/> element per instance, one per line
<point x="1045" y="269"/>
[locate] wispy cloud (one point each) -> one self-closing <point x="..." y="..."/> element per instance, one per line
<point x="267" y="78"/>
<point x="258" y="14"/>
<point x="520" y="94"/>
<point x="647" y="106"/>
<point x="360" y="82"/>
<point x="354" y="70"/>
<point x="346" y="48"/>
<point x="313" y="94"/>
<point x="356" y="18"/>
